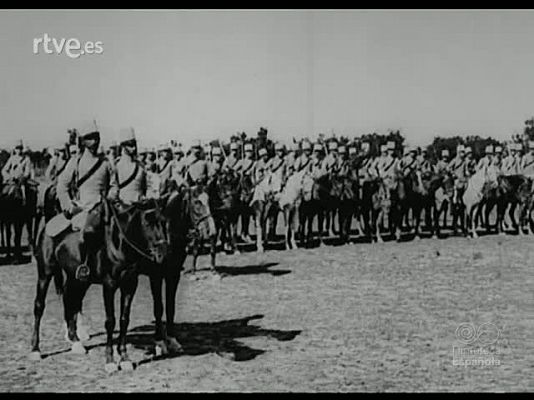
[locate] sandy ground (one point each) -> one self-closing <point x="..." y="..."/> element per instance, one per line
<point x="359" y="317"/>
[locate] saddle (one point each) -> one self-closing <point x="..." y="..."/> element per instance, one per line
<point x="60" y="223"/>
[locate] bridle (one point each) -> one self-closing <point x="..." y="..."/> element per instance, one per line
<point x="123" y="236"/>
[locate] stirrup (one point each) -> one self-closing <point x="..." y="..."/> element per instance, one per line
<point x="82" y="272"/>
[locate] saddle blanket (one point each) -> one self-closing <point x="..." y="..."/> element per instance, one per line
<point x="59" y="223"/>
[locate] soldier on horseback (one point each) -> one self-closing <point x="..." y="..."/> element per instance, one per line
<point x="131" y="176"/>
<point x="18" y="169"/>
<point x="278" y="169"/>
<point x="510" y="163"/>
<point x="244" y="168"/>
<point x="232" y="159"/>
<point x="458" y="169"/>
<point x="92" y="178"/>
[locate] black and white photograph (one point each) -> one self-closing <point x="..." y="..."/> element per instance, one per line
<point x="266" y="200"/>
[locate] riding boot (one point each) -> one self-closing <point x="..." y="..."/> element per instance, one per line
<point x="87" y="252"/>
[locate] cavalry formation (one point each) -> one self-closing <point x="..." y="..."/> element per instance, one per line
<point x="110" y="216"/>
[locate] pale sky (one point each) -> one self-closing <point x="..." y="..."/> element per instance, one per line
<point x="208" y="74"/>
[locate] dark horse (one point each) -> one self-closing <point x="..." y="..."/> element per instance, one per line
<point x="316" y="195"/>
<point x="224" y="204"/>
<point x="347" y="192"/>
<point x="17" y="210"/>
<point x="127" y="235"/>
<point x="515" y="191"/>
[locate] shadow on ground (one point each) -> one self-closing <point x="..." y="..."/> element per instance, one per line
<point x="252" y="270"/>
<point x="199" y="338"/>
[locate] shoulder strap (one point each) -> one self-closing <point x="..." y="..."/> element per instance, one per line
<point x="89" y="173"/>
<point x="390" y="165"/>
<point x="59" y="171"/>
<point x="122" y="185"/>
<point x="165" y="166"/>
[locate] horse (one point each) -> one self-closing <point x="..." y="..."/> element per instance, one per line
<point x="126" y="234"/>
<point x="515" y="190"/>
<point x="246" y="192"/>
<point x="442" y="199"/>
<point x="480" y="191"/>
<point x="429" y="184"/>
<point x="201" y="225"/>
<point x="264" y="204"/>
<point x="315" y="197"/>
<point x="410" y="199"/>
<point x="14" y="210"/>
<point x="289" y="202"/>
<point x="348" y="188"/>
<point x="224" y="204"/>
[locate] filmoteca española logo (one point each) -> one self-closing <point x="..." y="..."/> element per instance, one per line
<point x="478" y="345"/>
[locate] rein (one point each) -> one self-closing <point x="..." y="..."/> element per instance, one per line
<point x="125" y="238"/>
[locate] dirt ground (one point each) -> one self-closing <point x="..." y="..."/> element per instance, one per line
<point x="357" y="317"/>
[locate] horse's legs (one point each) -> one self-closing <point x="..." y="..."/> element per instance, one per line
<point x="172" y="279"/>
<point x="128" y="287"/>
<point x="156" y="281"/>
<point x="18" y="236"/>
<point x="7" y="227"/>
<point x="416" y="213"/>
<point x="501" y="214"/>
<point x="197" y="245"/>
<point x="245" y="222"/>
<point x="511" y="214"/>
<point x="473" y="212"/>
<point x="38" y="310"/>
<point x="320" y="222"/>
<point x="489" y="208"/>
<point x="109" y="287"/>
<point x="72" y="300"/>
<point x="213" y="251"/>
<point x="259" y="228"/>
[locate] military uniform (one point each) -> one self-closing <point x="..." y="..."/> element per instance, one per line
<point x="408" y="165"/>
<point x="94" y="177"/>
<point x="387" y="167"/>
<point x="197" y="172"/>
<point x="245" y="166"/>
<point x="278" y="173"/>
<point x="230" y="162"/>
<point x="303" y="162"/>
<point x="527" y="165"/>
<point x="214" y="167"/>
<point x="331" y="163"/>
<point x="441" y="167"/>
<point x="131" y="180"/>
<point x="56" y="167"/>
<point x="367" y="170"/>
<point x="17" y="167"/>
<point x="509" y="165"/>
<point x="318" y="168"/>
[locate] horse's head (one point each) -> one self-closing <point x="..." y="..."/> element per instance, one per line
<point x="137" y="231"/>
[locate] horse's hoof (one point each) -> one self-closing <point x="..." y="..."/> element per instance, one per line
<point x="173" y="345"/>
<point x="111" y="367"/>
<point x="78" y="348"/>
<point x="417" y="238"/>
<point x="434" y="236"/>
<point x="260" y="249"/>
<point x="34" y="355"/>
<point x="126" y="365"/>
<point x="216" y="276"/>
<point x="237" y="252"/>
<point x="161" y="348"/>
